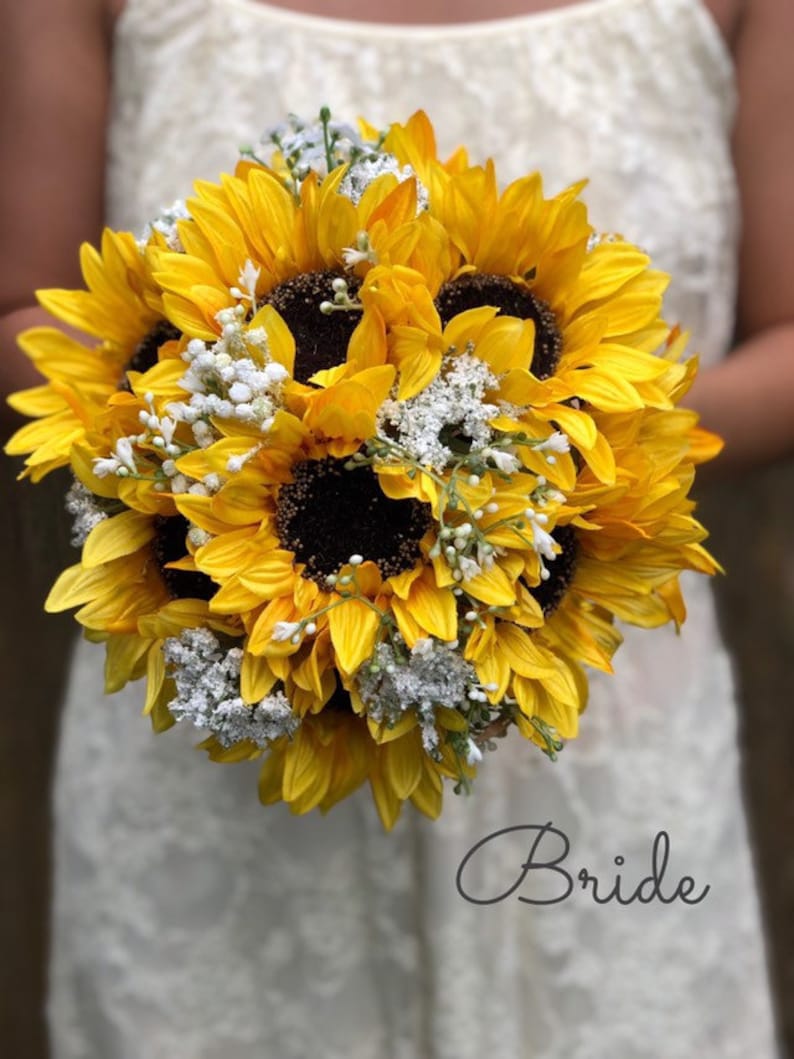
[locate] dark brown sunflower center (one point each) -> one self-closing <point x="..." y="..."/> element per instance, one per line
<point x="475" y="289"/>
<point x="321" y="339"/>
<point x="169" y="544"/>
<point x="145" y="355"/>
<point x="340" y="700"/>
<point x="550" y="593"/>
<point x="328" y="513"/>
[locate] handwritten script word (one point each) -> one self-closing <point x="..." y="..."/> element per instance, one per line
<point x="545" y="866"/>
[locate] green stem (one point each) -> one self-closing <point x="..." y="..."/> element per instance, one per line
<point x="325" y="117"/>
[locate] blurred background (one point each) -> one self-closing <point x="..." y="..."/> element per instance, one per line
<point x="754" y="543"/>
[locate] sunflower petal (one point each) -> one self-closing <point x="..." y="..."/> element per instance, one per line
<point x="354" y="627"/>
<point x="117" y="536"/>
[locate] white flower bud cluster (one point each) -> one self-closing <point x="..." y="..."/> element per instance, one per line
<point x="82" y="505"/>
<point x="362" y="173"/>
<point x="554" y="445"/>
<point x="246" y="283"/>
<point x="286" y="630"/>
<point x="556" y="442"/>
<point x="473" y="753"/>
<point x="544" y="544"/>
<point x="361" y="252"/>
<point x="342" y="300"/>
<point x="544" y="493"/>
<point x="454" y="400"/>
<point x="176" y="482"/>
<point x="166" y="224"/>
<point x="233" y="378"/>
<point x="432" y="674"/>
<point x="121" y="461"/>
<point x="223" y="380"/>
<point x="207" y="680"/>
<point x="159" y="430"/>
<point x="158" y="434"/>
<point x="542" y="541"/>
<point x="503" y="459"/>
<point x="467" y="553"/>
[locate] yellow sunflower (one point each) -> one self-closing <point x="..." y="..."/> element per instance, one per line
<point x="121" y="307"/>
<point x="250" y="241"/>
<point x="134" y="586"/>
<point x="619" y="560"/>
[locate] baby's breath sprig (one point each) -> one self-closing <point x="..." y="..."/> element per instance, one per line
<point x="357" y="149"/>
<point x="292" y="153"/>
<point x="88" y="510"/>
<point x="317" y="146"/>
<point x="430" y="676"/>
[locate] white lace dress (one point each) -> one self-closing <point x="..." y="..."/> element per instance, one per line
<point x="190" y="922"/>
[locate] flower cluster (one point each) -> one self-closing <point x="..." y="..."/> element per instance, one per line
<point x="397" y="682"/>
<point x="207" y="679"/>
<point x="370" y="456"/>
<point x="451" y="408"/>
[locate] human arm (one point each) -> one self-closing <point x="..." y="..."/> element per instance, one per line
<point x="749" y="397"/>
<point x="54" y="73"/>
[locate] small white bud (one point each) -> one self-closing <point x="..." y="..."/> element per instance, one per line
<point x="285" y="630"/>
<point x="473" y="753"/>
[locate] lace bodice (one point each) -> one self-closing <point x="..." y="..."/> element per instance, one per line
<point x="190" y="922"/>
<point x="635" y="95"/>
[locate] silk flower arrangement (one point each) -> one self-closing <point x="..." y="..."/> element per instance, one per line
<point x="368" y="458"/>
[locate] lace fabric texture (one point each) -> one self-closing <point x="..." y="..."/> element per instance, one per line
<point x="190" y="922"/>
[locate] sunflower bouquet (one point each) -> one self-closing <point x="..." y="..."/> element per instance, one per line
<point x="368" y="458"/>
